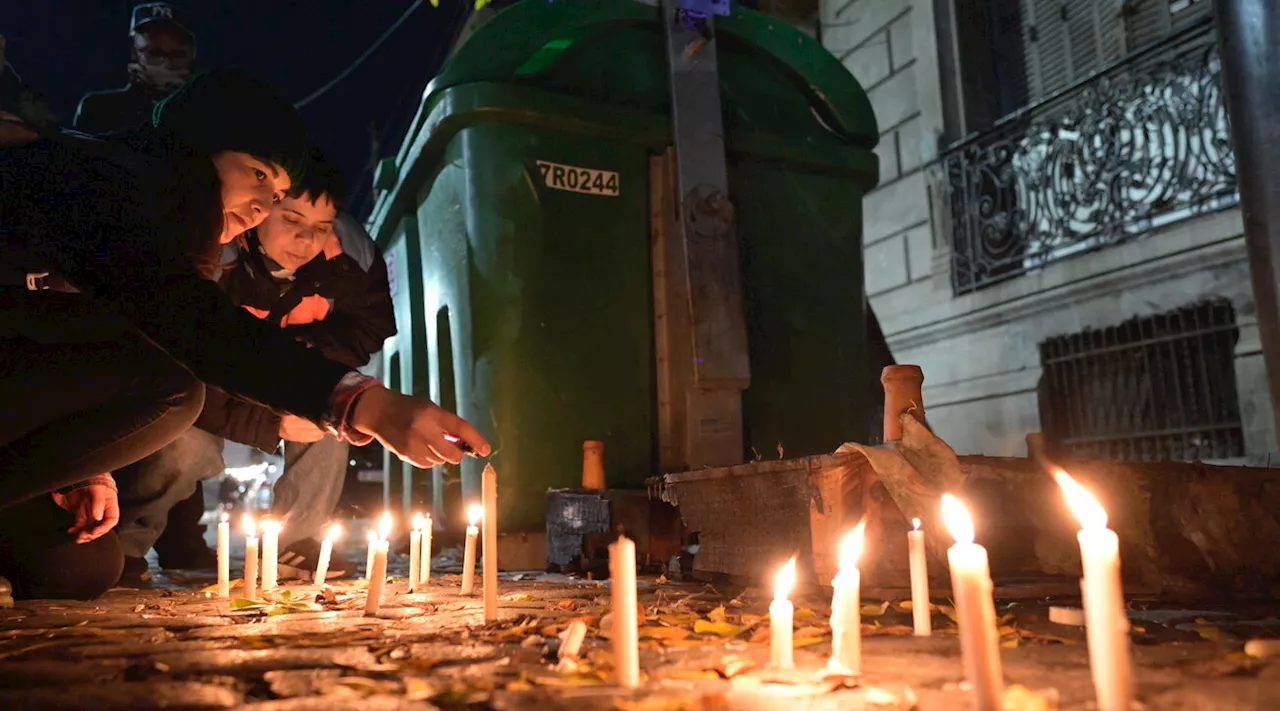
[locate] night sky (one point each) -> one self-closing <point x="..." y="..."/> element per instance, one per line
<point x="64" y="48"/>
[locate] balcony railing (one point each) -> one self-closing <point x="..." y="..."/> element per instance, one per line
<point x="1141" y="144"/>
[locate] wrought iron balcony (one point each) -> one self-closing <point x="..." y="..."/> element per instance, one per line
<point x="1141" y="144"/>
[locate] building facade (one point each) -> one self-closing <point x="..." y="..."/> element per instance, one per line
<point x="1055" y="238"/>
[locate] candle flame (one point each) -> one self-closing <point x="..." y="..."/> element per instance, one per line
<point x="851" y="546"/>
<point x="785" y="580"/>
<point x="333" y="533"/>
<point x="417" y="522"/>
<point x="384" y="526"/>
<point x="224" y="517"/>
<point x="250" y="529"/>
<point x="915" y="524"/>
<point x="1083" y="504"/>
<point x="474" y="514"/>
<point x="270" y="525"/>
<point x="373" y="536"/>
<point x="957" y="518"/>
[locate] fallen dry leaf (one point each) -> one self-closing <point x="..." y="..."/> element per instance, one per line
<point x="717" y="615"/>
<point x="812" y="632"/>
<point x="723" y="629"/>
<point x="807" y="641"/>
<point x="566" y="604"/>
<point x="662" y="702"/>
<point x="1211" y="633"/>
<point x="1020" y="698"/>
<point x="874" y="610"/>
<point x="661" y="579"/>
<point x="659" y="632"/>
<point x="732" y="665"/>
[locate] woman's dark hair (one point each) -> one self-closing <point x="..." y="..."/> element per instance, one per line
<point x="321" y="177"/>
<point x="229" y="110"/>
<point x="224" y="110"/>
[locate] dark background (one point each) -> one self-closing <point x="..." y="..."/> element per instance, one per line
<point x="64" y="48"/>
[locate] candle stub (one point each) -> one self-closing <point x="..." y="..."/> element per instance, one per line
<point x="626" y="641"/>
<point x="921" y="618"/>
<point x="474" y="514"/>
<point x="846" y="607"/>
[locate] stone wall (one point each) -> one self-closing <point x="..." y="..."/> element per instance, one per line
<point x="979" y="351"/>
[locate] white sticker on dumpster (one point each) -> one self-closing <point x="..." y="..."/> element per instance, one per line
<point x="578" y="180"/>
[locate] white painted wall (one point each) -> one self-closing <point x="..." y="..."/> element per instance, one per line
<point x="980" y="351"/>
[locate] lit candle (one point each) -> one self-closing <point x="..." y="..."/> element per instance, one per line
<point x="1106" y="624"/>
<point x="326" y="552"/>
<point x="270" y="552"/>
<point x="378" y="572"/>
<point x="469" y="551"/>
<point x="782" y="616"/>
<point x="224" y="556"/>
<point x="425" y="573"/>
<point x="846" y="611"/>
<point x="626" y="640"/>
<point x="250" y="558"/>
<point x="415" y="553"/>
<point x="368" y="561"/>
<point x="489" y="491"/>
<point x="975" y="608"/>
<point x="919" y="581"/>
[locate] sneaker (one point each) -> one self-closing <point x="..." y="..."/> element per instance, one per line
<point x="196" y="557"/>
<point x="136" y="574"/>
<point x="299" y="559"/>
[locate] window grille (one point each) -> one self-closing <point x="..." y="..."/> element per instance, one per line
<point x="1155" y="388"/>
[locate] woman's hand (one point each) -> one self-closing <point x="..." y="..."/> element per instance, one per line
<point x="94" y="504"/>
<point x="415" y="429"/>
<point x="296" y="429"/>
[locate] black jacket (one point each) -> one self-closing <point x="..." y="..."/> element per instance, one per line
<point x="115" y="109"/>
<point x="338" y="303"/>
<point x="114" y="219"/>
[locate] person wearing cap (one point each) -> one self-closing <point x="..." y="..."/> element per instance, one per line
<point x="162" y="55"/>
<point x="110" y="323"/>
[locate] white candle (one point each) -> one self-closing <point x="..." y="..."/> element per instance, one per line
<point x="919" y="580"/>
<point x="846" y="607"/>
<point x="270" y="552"/>
<point x="250" y="558"/>
<point x="224" y="556"/>
<point x="368" y="561"/>
<point x="626" y="639"/>
<point x="415" y="553"/>
<point x="378" y="580"/>
<point x="326" y="552"/>
<point x="378" y="570"/>
<point x="489" y="491"/>
<point x="782" y="617"/>
<point x="469" y="549"/>
<point x="1106" y="623"/>
<point x="975" y="608"/>
<point x="425" y="573"/>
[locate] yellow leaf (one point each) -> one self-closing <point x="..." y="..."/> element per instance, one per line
<point x="1213" y="634"/>
<point x="723" y="629"/>
<point x="664" y="702"/>
<point x="214" y="588"/>
<point x="481" y="3"/>
<point x="661" y="580"/>
<point x="949" y="611"/>
<point x="752" y="619"/>
<point x="1006" y="630"/>
<point x="1011" y="643"/>
<point x="818" y="632"/>
<point x="435" y="3"/>
<point x="696" y="674"/>
<point x="517" y="597"/>
<point x="807" y="641"/>
<point x="520" y="685"/>
<point x="804" y="612"/>
<point x="716" y="615"/>
<point x="874" y="610"/>
<point x="658" y="632"/>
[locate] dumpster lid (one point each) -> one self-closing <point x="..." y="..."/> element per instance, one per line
<point x="529" y="36"/>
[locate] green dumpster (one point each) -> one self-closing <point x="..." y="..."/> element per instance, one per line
<point x="517" y="224"/>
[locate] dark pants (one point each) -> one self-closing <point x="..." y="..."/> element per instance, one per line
<point x="81" y="394"/>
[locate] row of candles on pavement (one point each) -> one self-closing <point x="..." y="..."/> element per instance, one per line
<point x="1107" y="626"/>
<point x="376" y="564"/>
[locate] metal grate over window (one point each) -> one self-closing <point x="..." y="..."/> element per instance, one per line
<point x="1160" y="387"/>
